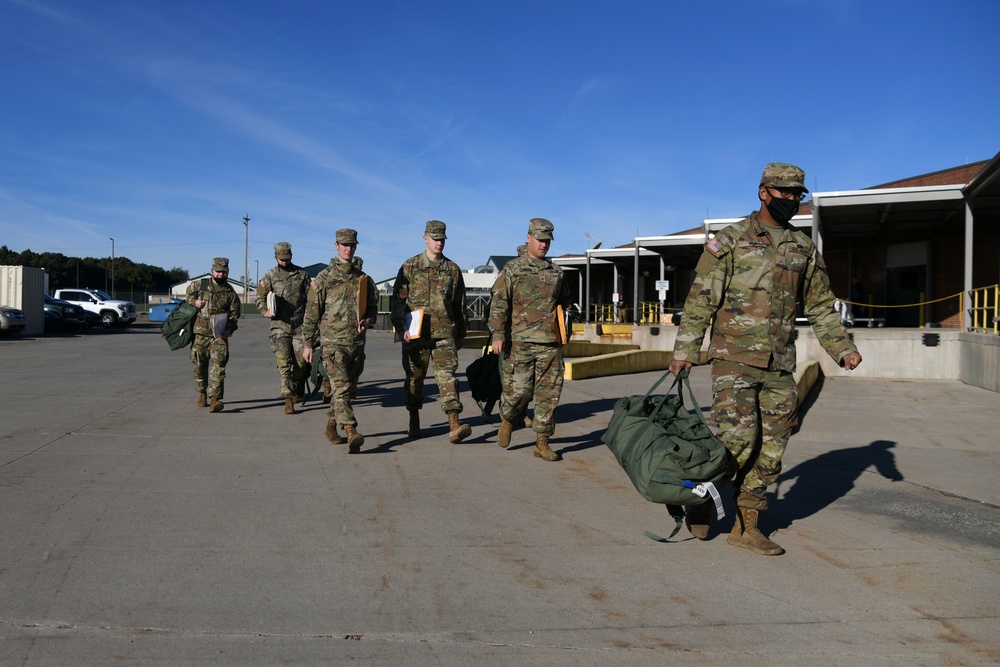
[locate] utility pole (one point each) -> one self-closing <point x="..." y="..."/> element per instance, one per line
<point x="246" y="256"/>
<point x="112" y="267"/>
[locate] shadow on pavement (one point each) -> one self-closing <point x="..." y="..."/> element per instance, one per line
<point x="819" y="482"/>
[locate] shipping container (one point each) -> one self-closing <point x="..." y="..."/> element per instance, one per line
<point x="23" y="287"/>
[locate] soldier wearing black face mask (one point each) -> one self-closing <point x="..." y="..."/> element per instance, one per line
<point x="748" y="281"/>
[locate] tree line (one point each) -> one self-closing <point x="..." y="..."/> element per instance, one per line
<point x="66" y="272"/>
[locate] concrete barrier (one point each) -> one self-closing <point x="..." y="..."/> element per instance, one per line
<point x="806" y="376"/>
<point x="618" y="363"/>
<point x="582" y="348"/>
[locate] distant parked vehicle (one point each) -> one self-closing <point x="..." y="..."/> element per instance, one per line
<point x="11" y="321"/>
<point x="113" y="312"/>
<point x="63" y="314"/>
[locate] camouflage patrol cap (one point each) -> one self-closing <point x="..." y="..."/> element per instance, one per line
<point x="541" y="229"/>
<point x="346" y="236"/>
<point x="220" y="264"/>
<point x="435" y="229"/>
<point x="781" y="175"/>
<point x="282" y="250"/>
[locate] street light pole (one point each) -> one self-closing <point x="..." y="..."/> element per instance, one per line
<point x="246" y="260"/>
<point x="112" y="267"/>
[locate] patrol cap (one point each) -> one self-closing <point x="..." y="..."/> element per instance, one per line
<point x="435" y="229"/>
<point x="220" y="264"/>
<point x="347" y="236"/>
<point x="781" y="175"/>
<point x="282" y="250"/>
<point x="541" y="229"/>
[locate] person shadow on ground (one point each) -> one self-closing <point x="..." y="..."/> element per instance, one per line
<point x="821" y="481"/>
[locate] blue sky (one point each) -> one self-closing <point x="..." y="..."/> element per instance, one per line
<point x="160" y="124"/>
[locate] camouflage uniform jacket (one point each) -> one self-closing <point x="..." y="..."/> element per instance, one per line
<point x="751" y="288"/>
<point x="331" y="315"/>
<point x="524" y="303"/>
<point x="218" y="299"/>
<point x="291" y="287"/>
<point x="436" y="287"/>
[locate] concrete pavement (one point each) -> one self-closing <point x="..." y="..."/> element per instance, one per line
<point x="141" y="530"/>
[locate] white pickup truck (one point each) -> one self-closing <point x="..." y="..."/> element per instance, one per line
<point x="113" y="312"/>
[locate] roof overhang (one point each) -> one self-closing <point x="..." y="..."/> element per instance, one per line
<point x="577" y="261"/>
<point x="612" y="253"/>
<point x="851" y="217"/>
<point x="672" y="240"/>
<point x="716" y="225"/>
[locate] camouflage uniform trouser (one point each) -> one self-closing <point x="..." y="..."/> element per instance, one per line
<point x="343" y="364"/>
<point x="216" y="350"/>
<point x="417" y="356"/>
<point x="537" y="374"/>
<point x="755" y="410"/>
<point x="293" y="371"/>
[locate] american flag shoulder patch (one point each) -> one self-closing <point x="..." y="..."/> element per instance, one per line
<point x="713" y="246"/>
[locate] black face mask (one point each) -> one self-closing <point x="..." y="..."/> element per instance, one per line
<point x="219" y="281"/>
<point x="782" y="210"/>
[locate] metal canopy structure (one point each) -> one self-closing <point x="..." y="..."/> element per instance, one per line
<point x="836" y="220"/>
<point x="860" y="216"/>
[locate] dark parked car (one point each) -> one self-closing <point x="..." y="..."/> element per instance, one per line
<point x="63" y="315"/>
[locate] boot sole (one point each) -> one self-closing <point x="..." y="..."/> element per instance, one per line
<point x="461" y="434"/>
<point x="750" y="547"/>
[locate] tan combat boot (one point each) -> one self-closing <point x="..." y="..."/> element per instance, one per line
<point x="289" y="405"/>
<point x="354" y="439"/>
<point x="699" y="519"/>
<point x="747" y="535"/>
<point x="503" y="435"/>
<point x="331" y="432"/>
<point x="459" y="432"/>
<point x="202" y="400"/>
<point x="542" y="449"/>
<point x="413" y="430"/>
<point x="217" y="405"/>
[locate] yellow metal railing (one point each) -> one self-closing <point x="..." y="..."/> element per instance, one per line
<point x="984" y="311"/>
<point x="602" y="312"/>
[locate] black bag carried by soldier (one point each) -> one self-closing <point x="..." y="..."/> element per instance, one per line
<point x="178" y="328"/>
<point x="484" y="382"/>
<point x="669" y="453"/>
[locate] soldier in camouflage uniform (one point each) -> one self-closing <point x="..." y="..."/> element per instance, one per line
<point x="433" y="283"/>
<point x="215" y="298"/>
<point x="748" y="280"/>
<point x="523" y="326"/>
<point x="332" y="320"/>
<point x="290" y="285"/>
<point x="506" y="367"/>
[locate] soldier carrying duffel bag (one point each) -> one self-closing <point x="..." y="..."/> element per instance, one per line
<point x="669" y="453"/>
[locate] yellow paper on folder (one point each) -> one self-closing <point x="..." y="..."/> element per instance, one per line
<point x="362" y="297"/>
<point x="559" y="326"/>
<point x="414" y="324"/>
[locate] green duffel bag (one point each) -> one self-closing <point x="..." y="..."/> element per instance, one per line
<point x="178" y="328"/>
<point x="669" y="453"/>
